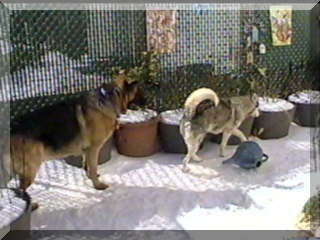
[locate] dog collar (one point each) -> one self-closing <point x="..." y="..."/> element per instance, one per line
<point x="104" y="92"/>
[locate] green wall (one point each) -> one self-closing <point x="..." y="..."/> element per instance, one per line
<point x="296" y="53"/>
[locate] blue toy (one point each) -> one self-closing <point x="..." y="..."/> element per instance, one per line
<point x="248" y="155"/>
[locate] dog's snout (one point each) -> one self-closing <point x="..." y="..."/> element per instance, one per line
<point x="139" y="99"/>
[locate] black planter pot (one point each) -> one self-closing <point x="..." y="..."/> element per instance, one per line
<point x="104" y="155"/>
<point x="245" y="127"/>
<point x="22" y="222"/>
<point x="171" y="139"/>
<point x="273" y="124"/>
<point x="307" y="114"/>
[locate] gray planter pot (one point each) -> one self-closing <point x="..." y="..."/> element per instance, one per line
<point x="171" y="139"/>
<point x="274" y="124"/>
<point x="307" y="114"/>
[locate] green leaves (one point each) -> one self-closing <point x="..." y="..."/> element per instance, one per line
<point x="312" y="208"/>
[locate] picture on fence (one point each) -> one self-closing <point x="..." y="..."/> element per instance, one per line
<point x="281" y="25"/>
<point x="161" y="30"/>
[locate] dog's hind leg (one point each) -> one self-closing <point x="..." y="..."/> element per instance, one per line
<point x="193" y="144"/>
<point x="29" y="176"/>
<point x="238" y="133"/>
<point x="185" y="133"/>
<point x="189" y="140"/>
<point x="224" y="141"/>
<point x="85" y="165"/>
<point x="26" y="156"/>
<point x="25" y="181"/>
<point x="196" y="147"/>
<point x="91" y="158"/>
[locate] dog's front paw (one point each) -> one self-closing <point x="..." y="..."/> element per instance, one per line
<point x="100" y="185"/>
<point x="197" y="159"/>
<point x="34" y="206"/>
<point x="222" y="154"/>
<point x="185" y="169"/>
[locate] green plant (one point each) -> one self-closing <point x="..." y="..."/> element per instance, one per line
<point x="220" y="84"/>
<point x="191" y="77"/>
<point x="231" y="84"/>
<point x="269" y="83"/>
<point x="300" y="77"/>
<point x="146" y="72"/>
<point x="280" y="83"/>
<point x="148" y="68"/>
<point x="173" y="93"/>
<point x="311" y="211"/>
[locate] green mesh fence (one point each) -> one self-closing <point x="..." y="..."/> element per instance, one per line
<point x="59" y="55"/>
<point x="56" y="55"/>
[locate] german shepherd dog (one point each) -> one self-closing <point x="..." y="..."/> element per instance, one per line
<point x="76" y="127"/>
<point x="205" y="113"/>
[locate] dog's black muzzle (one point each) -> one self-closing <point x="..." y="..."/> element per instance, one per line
<point x="139" y="99"/>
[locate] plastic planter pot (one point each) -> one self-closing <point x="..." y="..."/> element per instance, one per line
<point x="275" y="118"/>
<point x="169" y="132"/>
<point x="104" y="155"/>
<point x="137" y="135"/>
<point x="245" y="127"/>
<point x="307" y="113"/>
<point x="15" y="210"/>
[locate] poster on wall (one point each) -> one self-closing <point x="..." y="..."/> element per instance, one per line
<point x="161" y="30"/>
<point x="281" y="25"/>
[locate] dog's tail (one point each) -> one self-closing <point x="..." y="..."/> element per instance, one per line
<point x="196" y="97"/>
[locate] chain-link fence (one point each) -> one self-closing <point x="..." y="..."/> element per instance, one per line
<point x="61" y="53"/>
<point x="56" y="55"/>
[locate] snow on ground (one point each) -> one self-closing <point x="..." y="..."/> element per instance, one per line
<point x="274" y="105"/>
<point x="306" y="96"/>
<point x="153" y="192"/>
<point x="11" y="207"/>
